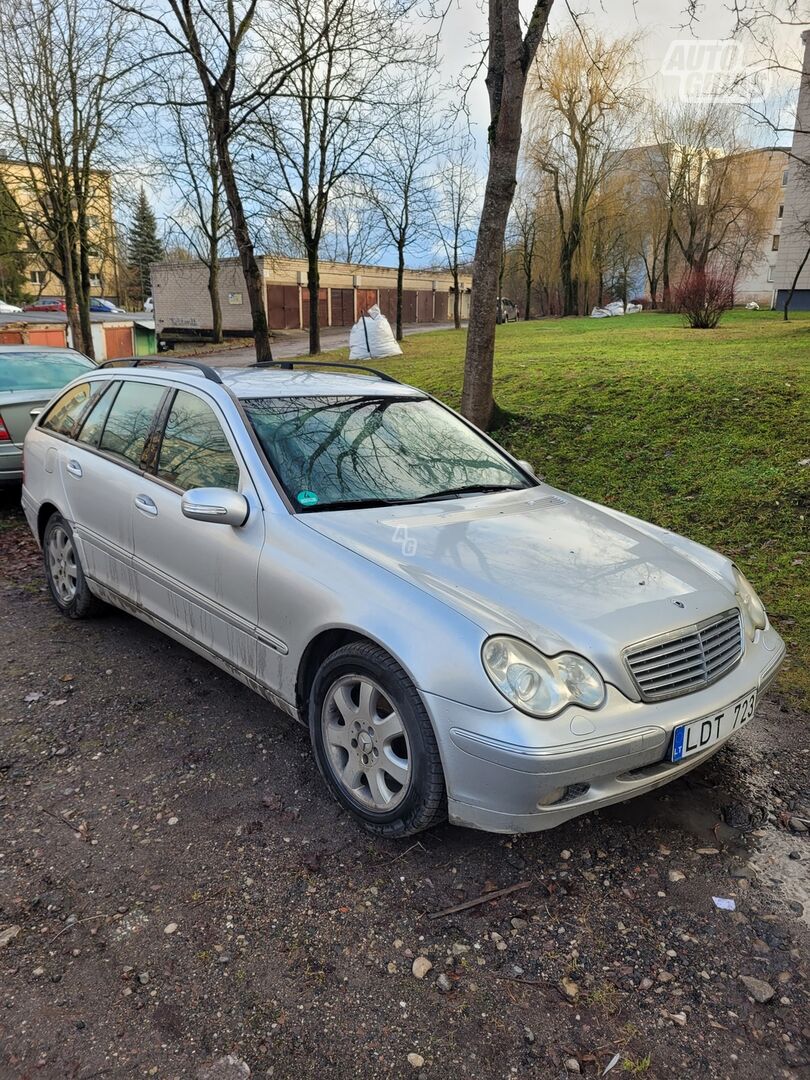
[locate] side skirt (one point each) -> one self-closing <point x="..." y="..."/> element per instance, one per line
<point x="103" y="592"/>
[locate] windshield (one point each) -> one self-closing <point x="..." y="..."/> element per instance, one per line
<point x="337" y="452"/>
<point x="40" y="370"/>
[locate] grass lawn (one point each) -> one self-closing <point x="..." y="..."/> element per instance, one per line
<point x="699" y="431"/>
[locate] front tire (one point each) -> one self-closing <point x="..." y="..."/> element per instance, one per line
<point x="63" y="569"/>
<point x="373" y="742"/>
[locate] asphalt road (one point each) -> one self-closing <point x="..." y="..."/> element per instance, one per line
<point x="290" y="344"/>
<point x="179" y="896"/>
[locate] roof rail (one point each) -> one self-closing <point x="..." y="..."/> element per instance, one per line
<point x="135" y="361"/>
<point x="287" y="365"/>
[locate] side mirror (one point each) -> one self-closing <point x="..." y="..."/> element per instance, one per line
<point x="217" y="505"/>
<point x="527" y="465"/>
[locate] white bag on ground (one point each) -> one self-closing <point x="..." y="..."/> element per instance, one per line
<point x="371" y="337"/>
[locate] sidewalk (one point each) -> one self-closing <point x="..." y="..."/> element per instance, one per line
<point x="295" y="343"/>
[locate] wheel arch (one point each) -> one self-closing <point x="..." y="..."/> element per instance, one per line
<point x="322" y="645"/>
<point x="45" y="512"/>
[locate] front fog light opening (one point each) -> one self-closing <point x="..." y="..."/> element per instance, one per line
<point x="562" y="795"/>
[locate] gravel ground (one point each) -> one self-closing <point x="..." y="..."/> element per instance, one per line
<point x="179" y="897"/>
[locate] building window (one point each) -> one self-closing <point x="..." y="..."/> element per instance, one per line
<point x="784" y="178"/>
<point x="770" y="273"/>
<point x="95" y="281"/>
<point x="781" y="211"/>
<point x="775" y="242"/>
<point x="38" y="277"/>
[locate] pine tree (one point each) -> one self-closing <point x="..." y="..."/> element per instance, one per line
<point x="12" y="253"/>
<point x="144" y="248"/>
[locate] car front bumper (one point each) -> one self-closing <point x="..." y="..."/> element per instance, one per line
<point x="510" y="773"/>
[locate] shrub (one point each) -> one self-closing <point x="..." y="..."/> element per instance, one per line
<point x="702" y="298"/>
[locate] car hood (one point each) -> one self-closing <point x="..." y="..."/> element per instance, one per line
<point x="543" y="565"/>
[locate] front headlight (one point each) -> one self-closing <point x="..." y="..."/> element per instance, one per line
<point x="540" y="685"/>
<point x="750" y="604"/>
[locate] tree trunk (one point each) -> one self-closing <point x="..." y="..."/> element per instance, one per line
<point x="666" y="299"/>
<point x="314" y="286"/>
<point x="213" y="293"/>
<point x="241" y="234"/>
<point x="456" y="300"/>
<point x="82" y="270"/>
<point x="400" y="280"/>
<point x="569" y="282"/>
<point x="794" y="283"/>
<point x="66" y="257"/>
<point x="527" y="307"/>
<point x="213" y="247"/>
<point x="509" y="58"/>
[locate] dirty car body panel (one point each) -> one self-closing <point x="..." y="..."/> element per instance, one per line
<point x="661" y="626"/>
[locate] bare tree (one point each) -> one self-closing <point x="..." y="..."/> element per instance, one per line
<point x="190" y="163"/>
<point x="348" y="56"/>
<point x="712" y="197"/>
<point x="353" y="232"/>
<point x="64" y="94"/>
<point x="524" y="234"/>
<point x="402" y="189"/>
<point x="581" y="93"/>
<point x="454" y="211"/>
<point x="217" y="39"/>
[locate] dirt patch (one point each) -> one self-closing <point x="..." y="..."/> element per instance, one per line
<point x="190" y="903"/>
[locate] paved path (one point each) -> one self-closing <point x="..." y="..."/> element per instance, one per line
<point x="296" y="344"/>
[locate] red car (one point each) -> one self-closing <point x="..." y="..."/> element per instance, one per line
<point x="47" y="303"/>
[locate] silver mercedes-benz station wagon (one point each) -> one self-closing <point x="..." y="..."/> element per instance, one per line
<point x="461" y="639"/>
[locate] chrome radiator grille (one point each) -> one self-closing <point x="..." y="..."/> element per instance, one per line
<point x="688" y="660"/>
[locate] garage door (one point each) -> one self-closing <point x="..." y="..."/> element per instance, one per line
<point x="323" y="308"/>
<point x="388" y="304"/>
<point x="118" y="342"/>
<point x="366" y="298"/>
<point x="409" y="306"/>
<point x="11" y="337"/>
<point x="282" y="307"/>
<point x="342" y="307"/>
<point x="48" y="337"/>
<point x="440" y="300"/>
<point x="424" y="306"/>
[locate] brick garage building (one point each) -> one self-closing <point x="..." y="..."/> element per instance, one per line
<point x="182" y="304"/>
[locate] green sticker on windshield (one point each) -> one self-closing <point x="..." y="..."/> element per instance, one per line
<point x="307" y="498"/>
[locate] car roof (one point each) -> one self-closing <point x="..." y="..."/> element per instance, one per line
<point x="252" y="382"/>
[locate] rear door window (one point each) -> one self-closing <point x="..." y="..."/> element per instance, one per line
<point x="94" y="422"/>
<point x="64" y="414"/>
<point x="130" y="420"/>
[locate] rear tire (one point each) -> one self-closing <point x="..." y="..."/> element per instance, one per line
<point x="64" y="572"/>
<point x="374" y="744"/>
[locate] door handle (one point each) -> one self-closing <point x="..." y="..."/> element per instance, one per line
<point x="146" y="505"/>
<point x="74" y="468"/>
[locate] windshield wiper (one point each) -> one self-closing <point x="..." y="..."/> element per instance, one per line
<point x="469" y="489"/>
<point x="451" y="493"/>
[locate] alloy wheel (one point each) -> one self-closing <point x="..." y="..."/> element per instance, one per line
<point x="366" y="742"/>
<point x="62" y="564"/>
